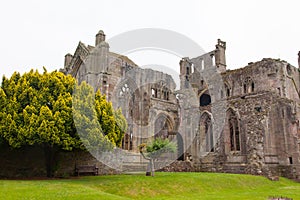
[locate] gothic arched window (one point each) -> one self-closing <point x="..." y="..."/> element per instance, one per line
<point x="248" y="85"/>
<point x="209" y="136"/>
<point x="234" y="132"/>
<point x="227" y="90"/>
<point x="206" y="133"/>
<point x="124" y="91"/>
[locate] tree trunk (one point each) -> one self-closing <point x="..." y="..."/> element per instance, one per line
<point x="50" y="159"/>
<point x="148" y="172"/>
<point x="152" y="166"/>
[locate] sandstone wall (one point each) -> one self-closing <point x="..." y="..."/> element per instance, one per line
<point x="30" y="162"/>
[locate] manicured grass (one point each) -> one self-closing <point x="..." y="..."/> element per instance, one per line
<point x="162" y="186"/>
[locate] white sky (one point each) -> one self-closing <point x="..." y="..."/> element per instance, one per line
<point x="39" y="33"/>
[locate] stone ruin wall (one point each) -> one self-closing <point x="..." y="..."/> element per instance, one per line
<point x="268" y="122"/>
<point x="267" y="111"/>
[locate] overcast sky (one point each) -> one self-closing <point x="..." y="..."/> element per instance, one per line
<point x="39" y="33"/>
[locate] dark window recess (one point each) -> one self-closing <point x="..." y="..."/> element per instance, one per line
<point x="228" y="92"/>
<point x="258" y="109"/>
<point x="291" y="160"/>
<point x="187" y="78"/>
<point x="234" y="135"/>
<point x="187" y="70"/>
<point x="205" y="100"/>
<point x="245" y="88"/>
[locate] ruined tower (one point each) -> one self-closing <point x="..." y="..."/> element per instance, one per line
<point x="100" y="37"/>
<point x="220" y="59"/>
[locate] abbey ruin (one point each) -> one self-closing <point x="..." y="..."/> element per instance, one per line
<point x="240" y="121"/>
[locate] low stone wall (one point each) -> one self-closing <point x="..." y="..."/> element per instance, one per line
<point x="30" y="162"/>
<point x="179" y="166"/>
<point x="68" y="161"/>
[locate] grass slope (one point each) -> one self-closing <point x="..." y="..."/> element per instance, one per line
<point x="162" y="186"/>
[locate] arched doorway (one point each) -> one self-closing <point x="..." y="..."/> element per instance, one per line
<point x="164" y="128"/>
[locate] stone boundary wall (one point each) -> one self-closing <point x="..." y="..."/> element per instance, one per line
<point x="179" y="166"/>
<point x="30" y="162"/>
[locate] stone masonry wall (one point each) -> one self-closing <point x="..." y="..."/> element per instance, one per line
<point x="30" y="162"/>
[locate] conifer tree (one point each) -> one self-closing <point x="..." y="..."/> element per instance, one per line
<point x="36" y="109"/>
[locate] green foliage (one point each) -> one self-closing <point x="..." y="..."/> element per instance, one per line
<point x="112" y="121"/>
<point x="120" y="127"/>
<point x="158" y="146"/>
<point x="86" y="119"/>
<point x="37" y="109"/>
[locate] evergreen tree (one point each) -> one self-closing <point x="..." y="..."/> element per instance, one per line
<point x="36" y="109"/>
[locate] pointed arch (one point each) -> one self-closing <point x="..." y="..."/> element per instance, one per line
<point x="163" y="125"/>
<point x="124" y="96"/>
<point x="228" y="90"/>
<point x="248" y="85"/>
<point x="206" y="132"/>
<point x="232" y="131"/>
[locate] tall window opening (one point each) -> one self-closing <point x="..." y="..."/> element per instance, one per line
<point x="154" y="92"/>
<point x="213" y="61"/>
<point x="252" y="87"/>
<point x="187" y="70"/>
<point x="234" y="133"/>
<point x="206" y="133"/>
<point x="249" y="85"/>
<point x="227" y="89"/>
<point x="209" y="136"/>
<point x="202" y="64"/>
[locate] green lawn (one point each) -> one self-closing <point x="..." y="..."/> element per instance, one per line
<point x="162" y="186"/>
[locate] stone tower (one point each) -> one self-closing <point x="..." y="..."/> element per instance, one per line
<point x="100" y="37"/>
<point x="220" y="59"/>
<point x="68" y="59"/>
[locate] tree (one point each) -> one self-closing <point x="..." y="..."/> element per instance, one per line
<point x="37" y="109"/>
<point x="154" y="149"/>
<point x="86" y="117"/>
<point x="113" y="123"/>
<point x="2" y="107"/>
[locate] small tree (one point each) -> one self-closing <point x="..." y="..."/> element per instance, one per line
<point x="155" y="149"/>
